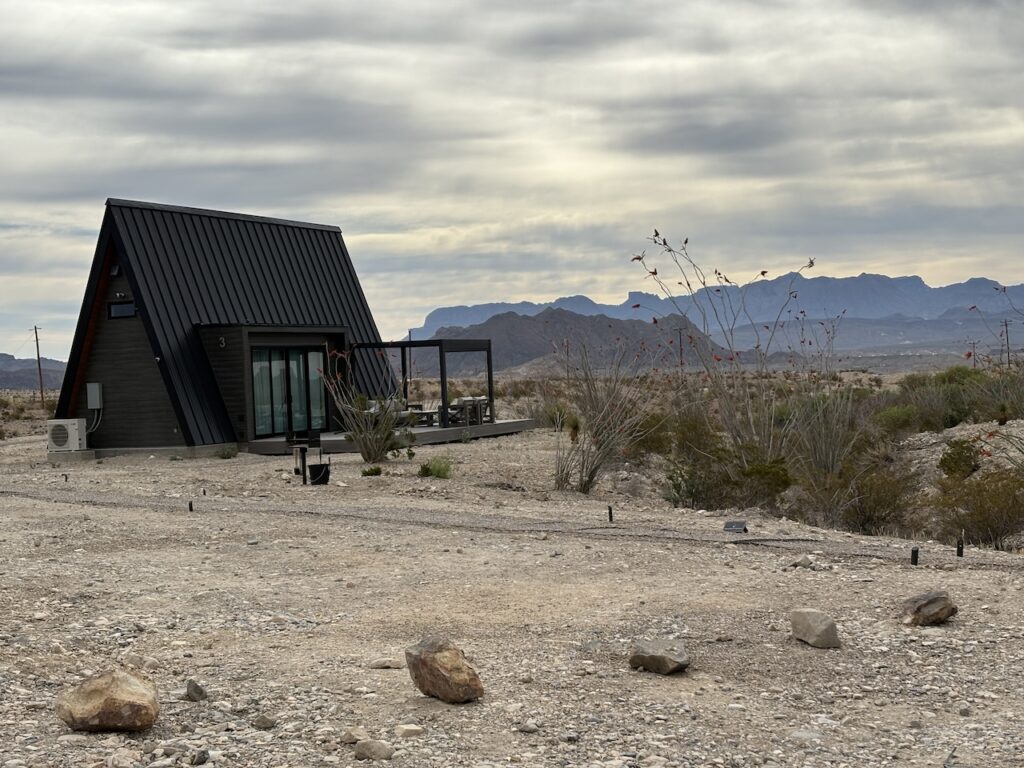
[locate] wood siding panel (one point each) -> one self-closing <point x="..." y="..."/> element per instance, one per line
<point x="225" y="350"/>
<point x="137" y="411"/>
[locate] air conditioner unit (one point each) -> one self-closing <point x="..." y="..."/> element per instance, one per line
<point x="65" y="435"/>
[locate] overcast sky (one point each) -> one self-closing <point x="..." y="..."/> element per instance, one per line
<point x="477" y="151"/>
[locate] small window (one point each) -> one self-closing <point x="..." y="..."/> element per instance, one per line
<point x="120" y="309"/>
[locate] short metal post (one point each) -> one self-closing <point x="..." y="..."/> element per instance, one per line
<point x="611" y="518"/>
<point x="302" y="461"/>
<point x="913" y="555"/>
<point x="190" y="506"/>
<point x="959" y="547"/>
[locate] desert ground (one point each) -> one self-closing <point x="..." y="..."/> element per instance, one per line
<point x="278" y="597"/>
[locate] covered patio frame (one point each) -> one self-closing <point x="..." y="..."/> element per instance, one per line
<point x="444" y="347"/>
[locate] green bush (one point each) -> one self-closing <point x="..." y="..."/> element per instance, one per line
<point x="374" y="471"/>
<point x="961" y="459"/>
<point x="884" y="501"/>
<point x="896" y="419"/>
<point x="987" y="509"/>
<point x="227" y="452"/>
<point x="699" y="483"/>
<point x="439" y="467"/>
<point x="762" y="482"/>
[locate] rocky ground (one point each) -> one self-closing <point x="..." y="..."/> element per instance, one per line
<point x="279" y="598"/>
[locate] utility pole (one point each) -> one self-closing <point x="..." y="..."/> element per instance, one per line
<point x="974" y="354"/>
<point x="1006" y="333"/>
<point x="679" y="332"/>
<point x="39" y="367"/>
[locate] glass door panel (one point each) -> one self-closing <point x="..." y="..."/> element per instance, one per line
<point x="317" y="401"/>
<point x="298" y="389"/>
<point x="261" y="395"/>
<point x="279" y="381"/>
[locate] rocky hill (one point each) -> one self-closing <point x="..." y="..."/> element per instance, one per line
<point x="542" y="340"/>
<point x="23" y="374"/>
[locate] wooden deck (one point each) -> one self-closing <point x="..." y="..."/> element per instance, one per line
<point x="335" y="442"/>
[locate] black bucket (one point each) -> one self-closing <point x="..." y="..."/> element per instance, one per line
<point x="319" y="474"/>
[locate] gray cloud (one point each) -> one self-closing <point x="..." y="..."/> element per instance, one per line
<point x="477" y="152"/>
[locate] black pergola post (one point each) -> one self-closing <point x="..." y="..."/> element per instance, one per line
<point x="490" y="384"/>
<point x="442" y="365"/>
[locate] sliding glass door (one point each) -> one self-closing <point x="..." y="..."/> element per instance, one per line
<point x="287" y="390"/>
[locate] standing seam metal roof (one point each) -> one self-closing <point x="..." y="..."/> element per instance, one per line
<point x="190" y="267"/>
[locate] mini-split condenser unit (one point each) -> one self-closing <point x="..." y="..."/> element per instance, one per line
<point x="65" y="435"/>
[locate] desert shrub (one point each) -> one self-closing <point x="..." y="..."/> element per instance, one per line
<point x="986" y="509"/>
<point x="885" y="499"/>
<point x="961" y="459"/>
<point x="823" y="450"/>
<point x="374" y="471"/>
<point x="376" y="426"/>
<point x="699" y="482"/>
<point x="609" y="405"/>
<point x="896" y="419"/>
<point x="760" y="483"/>
<point x="50" y="405"/>
<point x="999" y="395"/>
<point x="439" y="467"/>
<point x="227" y="452"/>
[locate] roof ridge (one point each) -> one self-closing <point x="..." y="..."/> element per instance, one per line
<point x="213" y="213"/>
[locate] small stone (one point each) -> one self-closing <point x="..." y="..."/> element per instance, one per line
<point x="194" y="691"/>
<point x="354" y="735"/>
<point x="664" y="657"/>
<point x="802" y="734"/>
<point x="263" y="722"/>
<point x="408" y="730"/>
<point x="439" y="669"/>
<point x="388" y="663"/>
<point x="110" y="701"/>
<point x="815" y="628"/>
<point x="373" y="749"/>
<point x="804" y="561"/>
<point x="202" y="757"/>
<point x="928" y="608"/>
<point x="965" y="710"/>
<point x="530" y="726"/>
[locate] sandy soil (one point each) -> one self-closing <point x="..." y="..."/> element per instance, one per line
<point x="278" y="596"/>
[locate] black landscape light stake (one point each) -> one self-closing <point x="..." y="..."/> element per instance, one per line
<point x="190" y="506"/>
<point x="611" y="517"/>
<point x="302" y="462"/>
<point x="959" y="547"/>
<point x="65" y="477"/>
<point x="913" y="555"/>
<point x="204" y="491"/>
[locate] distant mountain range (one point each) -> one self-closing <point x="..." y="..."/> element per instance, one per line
<point x="541" y="341"/>
<point x="865" y="296"/>
<point x="22" y="374"/>
<point x="869" y="314"/>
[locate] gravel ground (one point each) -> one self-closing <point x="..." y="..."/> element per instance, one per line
<point x="278" y="597"/>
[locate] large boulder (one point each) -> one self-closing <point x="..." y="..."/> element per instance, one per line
<point x="110" y="701"/>
<point x="814" y="628"/>
<point x="928" y="608"/>
<point x="661" y="656"/>
<point x="439" y="669"/>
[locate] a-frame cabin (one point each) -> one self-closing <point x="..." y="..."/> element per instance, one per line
<point x="206" y="328"/>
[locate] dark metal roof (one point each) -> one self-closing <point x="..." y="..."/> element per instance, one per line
<point x="190" y="266"/>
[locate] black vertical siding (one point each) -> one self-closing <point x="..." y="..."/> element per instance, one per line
<point x="137" y="411"/>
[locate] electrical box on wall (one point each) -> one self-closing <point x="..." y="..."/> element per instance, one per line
<point x="94" y="395"/>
